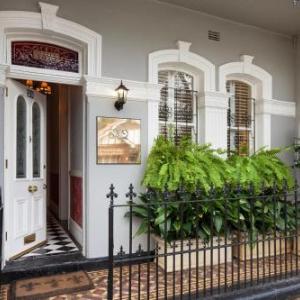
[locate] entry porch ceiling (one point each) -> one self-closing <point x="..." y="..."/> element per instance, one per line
<point x="279" y="16"/>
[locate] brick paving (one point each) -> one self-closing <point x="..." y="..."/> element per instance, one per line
<point x="157" y="288"/>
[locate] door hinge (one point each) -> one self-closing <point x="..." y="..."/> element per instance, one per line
<point x="6" y="91"/>
<point x="6" y="164"/>
<point x="6" y="235"/>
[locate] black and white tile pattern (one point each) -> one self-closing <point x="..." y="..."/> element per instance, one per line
<point x="58" y="241"/>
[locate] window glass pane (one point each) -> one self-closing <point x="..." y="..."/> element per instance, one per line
<point x="36" y="140"/>
<point x="240" y="118"/>
<point x="21" y="133"/>
<point x="177" y="116"/>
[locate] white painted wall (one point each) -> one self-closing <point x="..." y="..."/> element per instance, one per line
<point x="101" y="176"/>
<point x="131" y="30"/>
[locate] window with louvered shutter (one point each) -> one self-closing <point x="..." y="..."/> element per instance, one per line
<point x="177" y="109"/>
<point x="240" y="131"/>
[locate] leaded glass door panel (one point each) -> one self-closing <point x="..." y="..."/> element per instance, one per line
<point x="25" y="148"/>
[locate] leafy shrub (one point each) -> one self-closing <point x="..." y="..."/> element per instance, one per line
<point x="248" y="205"/>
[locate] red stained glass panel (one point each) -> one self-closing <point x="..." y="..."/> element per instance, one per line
<point x="45" y="56"/>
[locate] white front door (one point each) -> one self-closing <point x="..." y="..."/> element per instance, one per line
<point x="25" y="177"/>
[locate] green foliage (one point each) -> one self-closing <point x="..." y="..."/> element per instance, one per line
<point x="189" y="165"/>
<point x="248" y="206"/>
<point x="262" y="169"/>
<point x="198" y="166"/>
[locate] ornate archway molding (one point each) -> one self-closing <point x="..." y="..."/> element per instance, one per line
<point x="182" y="55"/>
<point x="16" y="24"/>
<point x="245" y="69"/>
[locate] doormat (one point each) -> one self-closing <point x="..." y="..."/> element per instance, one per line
<point x="44" y="287"/>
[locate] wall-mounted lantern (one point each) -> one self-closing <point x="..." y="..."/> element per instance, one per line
<point x="122" y="92"/>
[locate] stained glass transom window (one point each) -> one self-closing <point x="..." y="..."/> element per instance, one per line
<point x="44" y="55"/>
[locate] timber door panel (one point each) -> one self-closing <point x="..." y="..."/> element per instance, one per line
<point x="25" y="148"/>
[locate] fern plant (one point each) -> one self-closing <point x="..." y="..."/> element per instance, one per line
<point x="191" y="167"/>
<point x="262" y="170"/>
<point x="188" y="164"/>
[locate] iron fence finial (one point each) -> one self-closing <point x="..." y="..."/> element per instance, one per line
<point x="112" y="195"/>
<point x="131" y="194"/>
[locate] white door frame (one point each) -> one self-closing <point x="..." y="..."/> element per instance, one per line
<point x="46" y="26"/>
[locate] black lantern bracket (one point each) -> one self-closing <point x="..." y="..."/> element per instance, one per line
<point x="122" y="92"/>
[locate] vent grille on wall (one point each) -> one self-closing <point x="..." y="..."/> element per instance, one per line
<point x="214" y="35"/>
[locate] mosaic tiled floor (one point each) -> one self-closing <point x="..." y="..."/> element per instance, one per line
<point x="58" y="241"/>
<point x="235" y="271"/>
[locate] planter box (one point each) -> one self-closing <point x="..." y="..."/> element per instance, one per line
<point x="218" y="255"/>
<point x="244" y="251"/>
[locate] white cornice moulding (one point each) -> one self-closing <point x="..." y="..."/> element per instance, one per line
<point x="20" y="72"/>
<point x="138" y="91"/>
<point x="276" y="107"/>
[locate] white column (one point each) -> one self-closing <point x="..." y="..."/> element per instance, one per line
<point x="263" y="112"/>
<point x="212" y="107"/>
<point x="153" y="122"/>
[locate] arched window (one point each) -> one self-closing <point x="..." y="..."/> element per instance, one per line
<point x="177" y="108"/>
<point x="241" y="118"/>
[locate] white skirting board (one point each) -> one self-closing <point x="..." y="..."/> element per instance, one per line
<point x="76" y="231"/>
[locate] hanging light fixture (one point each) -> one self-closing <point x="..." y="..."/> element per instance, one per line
<point x="44" y="87"/>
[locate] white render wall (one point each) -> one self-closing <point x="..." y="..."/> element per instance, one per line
<point x="131" y="30"/>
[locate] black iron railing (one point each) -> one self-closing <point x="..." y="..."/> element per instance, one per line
<point x="198" y="244"/>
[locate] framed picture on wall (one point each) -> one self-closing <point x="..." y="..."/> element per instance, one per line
<point x="118" y="141"/>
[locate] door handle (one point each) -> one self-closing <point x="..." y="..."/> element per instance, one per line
<point x="32" y="189"/>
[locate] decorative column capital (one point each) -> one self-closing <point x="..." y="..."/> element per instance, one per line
<point x="213" y="100"/>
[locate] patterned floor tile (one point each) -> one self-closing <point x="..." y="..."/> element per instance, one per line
<point x="58" y="241"/>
